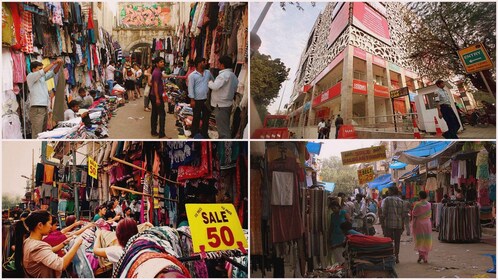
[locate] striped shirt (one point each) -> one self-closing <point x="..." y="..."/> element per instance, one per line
<point x="393" y="209"/>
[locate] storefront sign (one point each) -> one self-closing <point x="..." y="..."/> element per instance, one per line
<point x="365" y="175"/>
<point x="369" y="20"/>
<point x="359" y="87"/>
<point x="339" y="23"/>
<point x="359" y="53"/>
<point x="475" y="58"/>
<point x="381" y="91"/>
<point x="332" y="92"/>
<point x="93" y="168"/>
<point x="379" y="7"/>
<point x="363" y="155"/>
<point x="400" y="92"/>
<point x="215" y="227"/>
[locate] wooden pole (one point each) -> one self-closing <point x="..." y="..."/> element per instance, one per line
<point x="143" y="169"/>
<point x="140" y="193"/>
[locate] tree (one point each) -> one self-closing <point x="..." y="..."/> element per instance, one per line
<point x="344" y="176"/>
<point x="437" y="30"/>
<point x="267" y="76"/>
<point x="9" y="201"/>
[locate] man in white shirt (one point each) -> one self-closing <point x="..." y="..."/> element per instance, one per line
<point x="443" y="105"/>
<point x="223" y="92"/>
<point x="321" y="127"/>
<point x="72" y="112"/>
<point x="109" y="74"/>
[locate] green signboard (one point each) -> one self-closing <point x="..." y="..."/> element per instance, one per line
<point x="475" y="58"/>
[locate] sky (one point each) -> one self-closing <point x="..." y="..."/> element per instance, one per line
<point x="334" y="148"/>
<point x="284" y="35"/>
<point x="16" y="161"/>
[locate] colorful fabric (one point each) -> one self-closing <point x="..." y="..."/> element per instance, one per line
<point x="422" y="226"/>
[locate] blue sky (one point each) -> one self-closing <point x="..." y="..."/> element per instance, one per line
<point x="284" y="35"/>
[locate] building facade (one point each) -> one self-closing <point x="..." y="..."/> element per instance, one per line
<point x="353" y="59"/>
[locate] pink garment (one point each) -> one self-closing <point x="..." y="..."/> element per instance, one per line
<point x="55" y="238"/>
<point x="27" y="32"/>
<point x="19" y="63"/>
<point x="422" y="226"/>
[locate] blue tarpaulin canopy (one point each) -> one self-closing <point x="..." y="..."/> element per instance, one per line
<point x="410" y="174"/>
<point x="314" y="148"/>
<point x="381" y="182"/>
<point x="397" y="165"/>
<point x="328" y="186"/>
<point x="426" y="149"/>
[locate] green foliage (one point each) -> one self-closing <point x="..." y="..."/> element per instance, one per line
<point x="437" y="30"/>
<point x="298" y="6"/>
<point x="344" y="177"/>
<point x="9" y="201"/>
<point x="267" y="76"/>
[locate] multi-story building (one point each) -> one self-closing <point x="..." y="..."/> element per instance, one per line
<point x="353" y="59"/>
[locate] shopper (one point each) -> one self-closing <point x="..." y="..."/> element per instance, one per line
<point x="328" y="127"/>
<point x="138" y="77"/>
<point x="100" y="212"/>
<point x="392" y="210"/>
<point x="337" y="236"/>
<point x="124" y="231"/>
<point x="59" y="238"/>
<point x="223" y="92"/>
<point x="321" y="129"/>
<point x="422" y="227"/>
<point x="40" y="99"/>
<point x="198" y="92"/>
<point x="130" y="82"/>
<point x="109" y="74"/>
<point x="156" y="97"/>
<point x="338" y="123"/>
<point x="148" y="79"/>
<point x="39" y="261"/>
<point x="444" y="110"/>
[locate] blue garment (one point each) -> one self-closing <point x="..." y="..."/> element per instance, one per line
<point x="81" y="265"/>
<point x="372" y="208"/>
<point x="337" y="237"/>
<point x="198" y="84"/>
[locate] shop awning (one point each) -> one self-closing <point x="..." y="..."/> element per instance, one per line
<point x="314" y="148"/>
<point x="410" y="174"/>
<point x="397" y="165"/>
<point x="328" y="186"/>
<point x="381" y="182"/>
<point x="425" y="152"/>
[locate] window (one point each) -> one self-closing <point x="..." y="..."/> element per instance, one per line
<point x="359" y="75"/>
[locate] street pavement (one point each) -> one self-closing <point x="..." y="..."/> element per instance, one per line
<point x="132" y="122"/>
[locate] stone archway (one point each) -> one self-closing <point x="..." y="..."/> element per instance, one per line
<point x="138" y="44"/>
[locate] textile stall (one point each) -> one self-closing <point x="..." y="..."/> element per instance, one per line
<point x="44" y="32"/>
<point x="460" y="223"/>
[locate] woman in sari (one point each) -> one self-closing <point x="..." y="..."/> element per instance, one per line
<point x="422" y="227"/>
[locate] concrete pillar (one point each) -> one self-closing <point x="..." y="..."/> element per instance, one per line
<point x="308" y="122"/>
<point x="415" y="84"/>
<point x="347" y="85"/>
<point x="407" y="98"/>
<point x="370" y="104"/>
<point x="389" y="102"/>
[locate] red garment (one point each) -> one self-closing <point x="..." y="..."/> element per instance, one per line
<point x="55" y="238"/>
<point x="186" y="172"/>
<point x="90" y="20"/>
<point x="16" y="17"/>
<point x="27" y="32"/>
<point x="363" y="240"/>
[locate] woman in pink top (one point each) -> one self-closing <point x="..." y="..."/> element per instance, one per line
<point x="57" y="238"/>
<point x="39" y="261"/>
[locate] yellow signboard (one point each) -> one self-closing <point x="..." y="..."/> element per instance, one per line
<point x="215" y="227"/>
<point x="475" y="58"/>
<point x="365" y="175"/>
<point x="363" y="155"/>
<point x="93" y="168"/>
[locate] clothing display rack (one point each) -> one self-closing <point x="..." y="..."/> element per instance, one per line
<point x="460" y="222"/>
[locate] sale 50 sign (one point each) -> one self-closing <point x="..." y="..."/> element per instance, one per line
<point x="215" y="227"/>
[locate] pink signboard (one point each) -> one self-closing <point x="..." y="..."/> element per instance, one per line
<point x="372" y="22"/>
<point x="359" y="53"/>
<point x="360" y="87"/>
<point x="378" y="61"/>
<point x="339" y="23"/>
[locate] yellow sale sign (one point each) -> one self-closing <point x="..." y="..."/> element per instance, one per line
<point x="215" y="227"/>
<point x="365" y="175"/>
<point x="93" y="168"/>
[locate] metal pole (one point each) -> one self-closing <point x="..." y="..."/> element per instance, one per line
<point x="394" y="116"/>
<point x="283" y="92"/>
<point x="486" y="82"/>
<point x="261" y="17"/>
<point x="76" y="188"/>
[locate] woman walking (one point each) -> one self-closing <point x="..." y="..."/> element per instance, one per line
<point x="337" y="236"/>
<point x="422" y="227"/>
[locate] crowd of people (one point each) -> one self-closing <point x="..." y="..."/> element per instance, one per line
<point x="394" y="213"/>
<point x="324" y="127"/>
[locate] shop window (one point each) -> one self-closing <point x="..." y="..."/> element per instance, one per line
<point x="359" y="75"/>
<point x="380" y="80"/>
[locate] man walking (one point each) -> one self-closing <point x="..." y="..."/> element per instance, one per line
<point x="338" y="123"/>
<point x="392" y="210"/>
<point x="156" y="98"/>
<point x="444" y="110"/>
<point x="223" y="91"/>
<point x="40" y="99"/>
<point x="321" y="129"/>
<point x="109" y="74"/>
<point x="198" y="91"/>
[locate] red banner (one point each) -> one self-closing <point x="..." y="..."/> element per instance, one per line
<point x="359" y="87"/>
<point x="339" y="23"/>
<point x="381" y="91"/>
<point x="332" y="92"/>
<point x="369" y="20"/>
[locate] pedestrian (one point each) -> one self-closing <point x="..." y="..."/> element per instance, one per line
<point x="40" y="98"/>
<point x="422" y="227"/>
<point x="138" y="77"/>
<point x="328" y="127"/>
<point x="130" y="82"/>
<point x="38" y="259"/>
<point x="337" y="237"/>
<point x="406" y="215"/>
<point x="360" y="211"/>
<point x="381" y="215"/>
<point x="148" y="79"/>
<point x="198" y="91"/>
<point x="338" y="123"/>
<point x="156" y="98"/>
<point x="321" y="127"/>
<point x="223" y="91"/>
<point x="346" y="204"/>
<point x="392" y="209"/>
<point x="444" y="110"/>
<point x="109" y="73"/>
